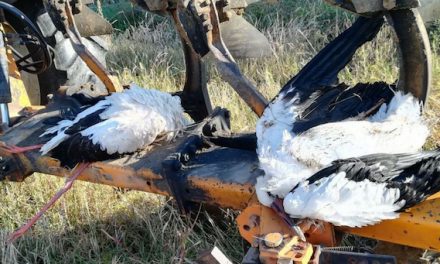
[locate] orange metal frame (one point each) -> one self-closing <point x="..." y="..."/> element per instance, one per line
<point x="419" y="227"/>
<point x="223" y="182"/>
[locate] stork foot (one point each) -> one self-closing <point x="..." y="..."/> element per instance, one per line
<point x="22" y="230"/>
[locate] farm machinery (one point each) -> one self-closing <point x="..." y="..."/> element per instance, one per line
<point x="210" y="165"/>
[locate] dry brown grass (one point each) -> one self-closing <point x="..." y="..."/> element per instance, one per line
<point x="98" y="224"/>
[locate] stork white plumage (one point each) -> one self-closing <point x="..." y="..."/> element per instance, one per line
<point x="288" y="158"/>
<point x="363" y="191"/>
<point x="120" y="123"/>
<point x="313" y="122"/>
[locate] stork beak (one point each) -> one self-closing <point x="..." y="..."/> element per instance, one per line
<point x="278" y="207"/>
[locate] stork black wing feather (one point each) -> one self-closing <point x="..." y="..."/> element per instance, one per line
<point x="323" y="69"/>
<point x="338" y="103"/>
<point x="417" y="176"/>
<point x="86" y="122"/>
<point x="79" y="148"/>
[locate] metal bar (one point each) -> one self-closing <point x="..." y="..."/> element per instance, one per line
<point x="6" y="120"/>
<point x="198" y="24"/>
<point x="5" y="89"/>
<point x="229" y="69"/>
<point x="195" y="98"/>
<point x="111" y="83"/>
<point x="415" y="52"/>
<point x="214" y="178"/>
<point x="419" y="227"/>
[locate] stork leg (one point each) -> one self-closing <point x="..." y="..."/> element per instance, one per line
<point x="17" y="149"/>
<point x="278" y="207"/>
<point x="22" y="230"/>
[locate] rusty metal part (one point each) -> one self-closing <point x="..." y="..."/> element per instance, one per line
<point x="198" y="26"/>
<point x="219" y="176"/>
<point x="90" y="24"/>
<point x="277" y="242"/>
<point x="110" y="82"/>
<point x="226" y="65"/>
<point x="273" y="240"/>
<point x="171" y="170"/>
<point x="415" y="52"/>
<point x="5" y="87"/>
<point x="257" y="220"/>
<point x="295" y="251"/>
<point x="256" y="223"/>
<point x="419" y="227"/>
<point x="194" y="31"/>
<point x="194" y="97"/>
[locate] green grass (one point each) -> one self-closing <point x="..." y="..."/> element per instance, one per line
<point x="98" y="224"/>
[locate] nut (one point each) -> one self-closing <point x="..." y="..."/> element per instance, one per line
<point x="273" y="240"/>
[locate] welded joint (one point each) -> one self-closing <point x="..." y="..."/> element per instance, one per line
<point x="171" y="171"/>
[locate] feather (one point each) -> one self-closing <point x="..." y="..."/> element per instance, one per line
<point x="121" y="123"/>
<point x="363" y="191"/>
<point x="288" y="159"/>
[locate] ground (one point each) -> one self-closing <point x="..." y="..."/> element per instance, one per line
<point x="99" y="224"/>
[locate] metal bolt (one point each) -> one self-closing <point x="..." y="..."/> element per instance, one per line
<point x="273" y="240"/>
<point x="208" y="27"/>
<point x="205" y="17"/>
<point x="5" y="168"/>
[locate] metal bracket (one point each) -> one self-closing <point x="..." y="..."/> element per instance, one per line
<point x="5" y="89"/>
<point x="265" y="230"/>
<point x="197" y="23"/>
<point x="228" y="68"/>
<point x="195" y="97"/>
<point x="64" y="9"/>
<point x="415" y="52"/>
<point x="171" y="171"/>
